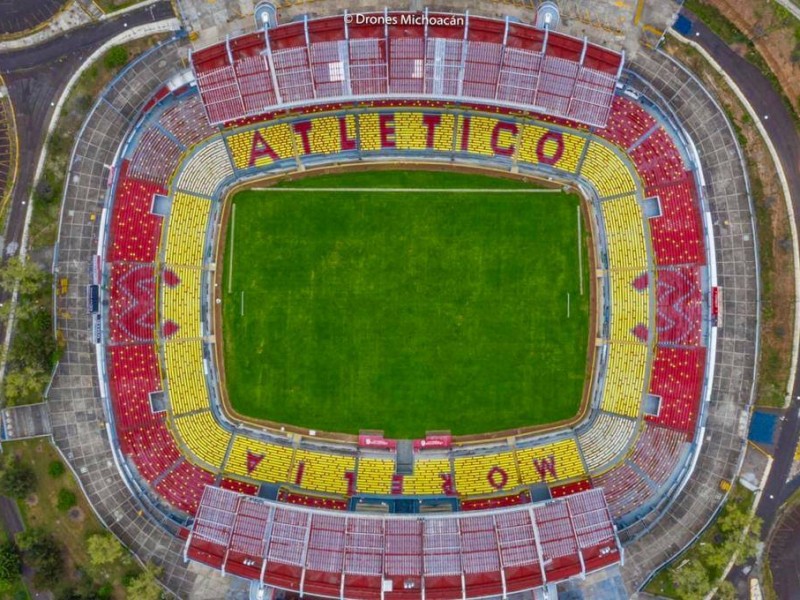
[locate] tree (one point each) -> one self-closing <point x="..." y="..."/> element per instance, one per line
<point x="734" y="519"/>
<point x="116" y="57"/>
<point x="33" y="343"/>
<point x="30" y="276"/>
<point x="716" y="556"/>
<point x="17" y="479"/>
<point x="10" y="562"/>
<point x="103" y="549"/>
<point x="42" y="552"/>
<point x="66" y="500"/>
<point x="145" y="586"/>
<point x="691" y="581"/>
<point x="748" y="547"/>
<point x="24" y="386"/>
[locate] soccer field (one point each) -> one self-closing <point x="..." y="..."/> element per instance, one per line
<point x="372" y="302"/>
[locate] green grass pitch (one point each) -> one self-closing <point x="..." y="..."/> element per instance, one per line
<point x="405" y="311"/>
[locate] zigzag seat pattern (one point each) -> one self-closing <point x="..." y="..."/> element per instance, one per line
<point x="132" y="289"/>
<point x="679" y="306"/>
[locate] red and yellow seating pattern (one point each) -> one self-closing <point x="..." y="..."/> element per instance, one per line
<point x="475" y="472"/>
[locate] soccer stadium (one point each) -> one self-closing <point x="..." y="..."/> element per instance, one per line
<point x="406" y="301"/>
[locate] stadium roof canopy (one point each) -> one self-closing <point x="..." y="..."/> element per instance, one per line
<point x="400" y="55"/>
<point x="356" y="555"/>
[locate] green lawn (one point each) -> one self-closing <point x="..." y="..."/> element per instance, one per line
<point x="408" y="311"/>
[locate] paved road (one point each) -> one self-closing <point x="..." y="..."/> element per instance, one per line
<point x="9" y="515"/>
<point x="35" y="78"/>
<point x="16" y="16"/>
<point x="779" y="125"/>
<point x="781" y="129"/>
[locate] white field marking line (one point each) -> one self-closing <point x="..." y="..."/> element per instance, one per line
<point x="568" y="305"/>
<point x="415" y="190"/>
<point x="580" y="254"/>
<point x="230" y="260"/>
<point x="241" y="313"/>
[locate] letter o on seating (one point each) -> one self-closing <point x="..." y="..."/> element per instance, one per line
<point x="554" y="157"/>
<point x="497" y="477"/>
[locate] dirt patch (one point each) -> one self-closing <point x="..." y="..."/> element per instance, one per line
<point x="774" y="234"/>
<point x="76" y="515"/>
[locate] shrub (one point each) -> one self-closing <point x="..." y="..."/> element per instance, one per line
<point x="116" y="57"/>
<point x="66" y="500"/>
<point x="56" y="469"/>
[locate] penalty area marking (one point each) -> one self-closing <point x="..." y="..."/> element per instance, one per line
<point x="415" y="190"/>
<point x="230" y="260"/>
<point x="241" y="310"/>
<point x="568" y="305"/>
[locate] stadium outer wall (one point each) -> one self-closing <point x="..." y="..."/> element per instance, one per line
<point x="75" y="435"/>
